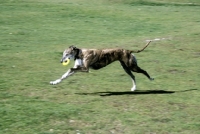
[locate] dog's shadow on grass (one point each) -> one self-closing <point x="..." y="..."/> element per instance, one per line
<point x="137" y="92"/>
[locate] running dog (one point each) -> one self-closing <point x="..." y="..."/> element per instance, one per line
<point x="99" y="58"/>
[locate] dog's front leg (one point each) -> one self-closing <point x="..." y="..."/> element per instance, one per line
<point x="67" y="74"/>
<point x="78" y="63"/>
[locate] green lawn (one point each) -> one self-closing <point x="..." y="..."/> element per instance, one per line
<point x="33" y="35"/>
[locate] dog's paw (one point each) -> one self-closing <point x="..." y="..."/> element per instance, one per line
<point x="55" y="82"/>
<point x="133" y="88"/>
<point x="151" y="79"/>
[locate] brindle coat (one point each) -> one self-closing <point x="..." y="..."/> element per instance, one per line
<point x="96" y="59"/>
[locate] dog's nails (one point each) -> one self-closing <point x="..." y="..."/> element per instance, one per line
<point x="52" y="83"/>
<point x="151" y="79"/>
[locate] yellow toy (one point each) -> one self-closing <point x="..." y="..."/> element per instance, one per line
<point x="66" y="62"/>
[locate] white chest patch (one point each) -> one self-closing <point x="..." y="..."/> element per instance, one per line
<point x="78" y="62"/>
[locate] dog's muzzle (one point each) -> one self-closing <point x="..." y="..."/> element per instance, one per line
<point x="64" y="59"/>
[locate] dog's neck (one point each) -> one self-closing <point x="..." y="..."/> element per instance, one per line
<point x="77" y="54"/>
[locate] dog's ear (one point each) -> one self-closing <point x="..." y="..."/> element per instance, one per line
<point x="73" y="47"/>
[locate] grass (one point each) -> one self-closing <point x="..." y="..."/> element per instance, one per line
<point x="34" y="34"/>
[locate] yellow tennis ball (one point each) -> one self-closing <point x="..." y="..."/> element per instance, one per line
<point x="66" y="62"/>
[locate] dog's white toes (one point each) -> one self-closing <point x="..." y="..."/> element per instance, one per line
<point x="55" y="82"/>
<point x="133" y="88"/>
<point x="52" y="83"/>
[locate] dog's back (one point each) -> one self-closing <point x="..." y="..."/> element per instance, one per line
<point x="107" y="56"/>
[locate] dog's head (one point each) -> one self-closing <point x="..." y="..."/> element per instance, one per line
<point x="69" y="53"/>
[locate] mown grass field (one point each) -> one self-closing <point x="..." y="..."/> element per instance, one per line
<point x="33" y="35"/>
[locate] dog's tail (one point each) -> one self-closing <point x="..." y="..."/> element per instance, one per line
<point x="137" y="51"/>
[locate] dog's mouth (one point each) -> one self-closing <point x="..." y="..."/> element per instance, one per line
<point x="64" y="60"/>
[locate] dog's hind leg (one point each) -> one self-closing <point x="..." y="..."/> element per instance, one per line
<point x="139" y="70"/>
<point x="135" y="68"/>
<point x="128" y="71"/>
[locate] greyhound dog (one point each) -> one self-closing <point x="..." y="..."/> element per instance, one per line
<point x="96" y="59"/>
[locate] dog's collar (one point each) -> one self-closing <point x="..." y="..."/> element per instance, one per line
<point x="77" y="54"/>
